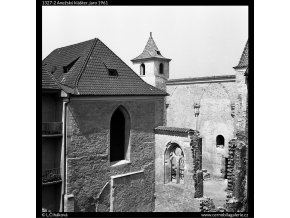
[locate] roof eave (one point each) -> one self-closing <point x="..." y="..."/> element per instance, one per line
<point x="240" y="67"/>
<point x="51" y="90"/>
<point x="150" y="58"/>
<point x="118" y="95"/>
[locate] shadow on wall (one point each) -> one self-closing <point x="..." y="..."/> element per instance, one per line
<point x="103" y="199"/>
<point x="94" y="117"/>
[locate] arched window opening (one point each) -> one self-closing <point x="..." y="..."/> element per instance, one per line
<point x="142" y="69"/>
<point x="160" y="68"/>
<point x="174" y="164"/>
<point x="119" y="135"/>
<point x="220" y="141"/>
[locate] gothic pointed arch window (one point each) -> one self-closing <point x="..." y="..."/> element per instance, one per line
<point x="161" y="68"/>
<point x="119" y="135"/>
<point x="174" y="164"/>
<point x="142" y="69"/>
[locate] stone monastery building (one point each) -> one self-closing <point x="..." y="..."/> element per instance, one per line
<point x="117" y="139"/>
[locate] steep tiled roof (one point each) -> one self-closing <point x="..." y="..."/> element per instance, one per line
<point x="88" y="64"/>
<point x="244" y="58"/>
<point x="48" y="82"/>
<point x="150" y="51"/>
<point x="61" y="57"/>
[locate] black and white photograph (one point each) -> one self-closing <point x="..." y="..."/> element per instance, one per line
<point x="146" y="109"/>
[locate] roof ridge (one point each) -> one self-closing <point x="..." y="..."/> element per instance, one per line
<point x="85" y="63"/>
<point x="65" y="47"/>
<point x="75" y="44"/>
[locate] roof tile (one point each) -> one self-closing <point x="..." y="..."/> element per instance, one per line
<point x="89" y="74"/>
<point x="150" y="51"/>
<point x="48" y="81"/>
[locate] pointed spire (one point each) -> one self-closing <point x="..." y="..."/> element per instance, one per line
<point x="244" y="58"/>
<point x="151" y="50"/>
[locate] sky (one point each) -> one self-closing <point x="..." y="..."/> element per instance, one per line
<point x="200" y="40"/>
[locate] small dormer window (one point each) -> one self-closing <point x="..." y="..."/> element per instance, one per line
<point x="142" y="69"/>
<point x="158" y="52"/>
<point x="69" y="66"/>
<point x="161" y="68"/>
<point x="113" y="72"/>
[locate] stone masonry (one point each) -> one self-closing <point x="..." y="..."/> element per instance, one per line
<point x="216" y="96"/>
<point x="88" y="163"/>
<point x="170" y="196"/>
<point x="196" y="149"/>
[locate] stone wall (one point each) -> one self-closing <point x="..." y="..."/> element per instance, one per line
<point x="237" y="177"/>
<point x="215" y="99"/>
<point x="241" y="101"/>
<point x="196" y="150"/>
<point x="88" y="140"/>
<point x="171" y="191"/>
<point x="230" y="168"/>
<point x="160" y="82"/>
<point x="207" y="205"/>
<point x="129" y="190"/>
<point x="238" y="159"/>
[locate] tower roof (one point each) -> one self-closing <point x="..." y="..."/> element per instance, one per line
<point x="150" y="51"/>
<point x="244" y="58"/>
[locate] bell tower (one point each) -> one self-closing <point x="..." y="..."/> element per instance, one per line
<point x="151" y="66"/>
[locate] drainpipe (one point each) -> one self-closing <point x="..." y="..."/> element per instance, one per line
<point x="64" y="144"/>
